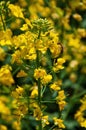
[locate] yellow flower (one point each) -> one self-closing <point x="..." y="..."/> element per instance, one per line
<point x="6" y="76"/>
<point x="46" y="79"/>
<point x="81" y="32"/>
<point x="28" y="22"/>
<point x="16" y="57"/>
<point x="21" y="73"/>
<point x="73" y="63"/>
<point x="22" y="3"/>
<point x="56" y="85"/>
<point x="20" y="108"/>
<point x="19" y="90"/>
<point x="45" y="120"/>
<point x="24" y="27"/>
<point x="4" y="109"/>
<point x="39" y="73"/>
<point x="41" y="46"/>
<point x="59" y="64"/>
<point x="79" y="115"/>
<point x="61" y="104"/>
<point x="2" y="54"/>
<point x="74" y="41"/>
<point x="34" y="91"/>
<point x="6" y="37"/>
<point x="61" y="95"/>
<point x="17" y="42"/>
<point x="16" y="10"/>
<point x="83" y="123"/>
<point x="16" y="125"/>
<point x="60" y="100"/>
<point x="16" y="24"/>
<point x="3" y="127"/>
<point x="60" y="60"/>
<point x="38" y="113"/>
<point x="31" y="53"/>
<point x="77" y="17"/>
<point x="58" y="122"/>
<point x="54" y="47"/>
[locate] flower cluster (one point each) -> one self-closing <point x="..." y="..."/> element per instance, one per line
<point x="42" y="64"/>
<point x="41" y="74"/>
<point x="30" y="61"/>
<point x="80" y="114"/>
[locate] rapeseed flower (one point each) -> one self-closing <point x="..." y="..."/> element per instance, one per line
<point x="46" y="79"/>
<point x="38" y="113"/>
<point x="60" y="99"/>
<point x="16" y="125"/>
<point x="21" y="73"/>
<point x="45" y="120"/>
<point x="41" y="74"/>
<point x="34" y="91"/>
<point x="16" y="11"/>
<point x="3" y="127"/>
<point x="2" y="54"/>
<point x="80" y="114"/>
<point x="58" y="65"/>
<point x="4" y="109"/>
<point x="58" y="122"/>
<point x="56" y="85"/>
<point x="6" y="77"/>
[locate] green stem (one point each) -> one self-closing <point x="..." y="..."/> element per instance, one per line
<point x="16" y="71"/>
<point x="39" y="92"/>
<point x="37" y="59"/>
<point x="39" y="84"/>
<point x="43" y="90"/>
<point x="52" y="101"/>
<point x="3" y="22"/>
<point x="52" y="127"/>
<point x="39" y="101"/>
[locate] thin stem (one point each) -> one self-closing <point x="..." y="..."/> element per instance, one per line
<point x="39" y="92"/>
<point x="3" y="22"/>
<point x="39" y="34"/>
<point x="39" y="84"/>
<point x="43" y="90"/>
<point x="16" y="71"/>
<point x="39" y="97"/>
<point x="52" y="101"/>
<point x="52" y="127"/>
<point x="37" y="59"/>
<point x="39" y="101"/>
